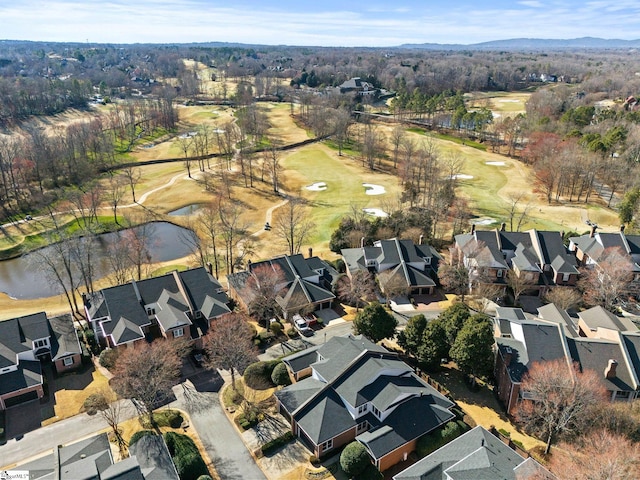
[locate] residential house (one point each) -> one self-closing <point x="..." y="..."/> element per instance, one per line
<point x="92" y="459"/>
<point x="175" y="305"/>
<point x="523" y="340"/>
<point x="592" y="248"/>
<point x="358" y="390"/>
<point x="25" y="343"/>
<point x="305" y="286"/>
<point x="538" y="257"/>
<point x="398" y="265"/>
<point x="477" y="454"/>
<point x="359" y="86"/>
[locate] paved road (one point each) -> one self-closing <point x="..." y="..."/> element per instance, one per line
<point x="44" y="439"/>
<point x="219" y="437"/>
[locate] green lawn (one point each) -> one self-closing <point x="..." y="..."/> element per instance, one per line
<point x="344" y="187"/>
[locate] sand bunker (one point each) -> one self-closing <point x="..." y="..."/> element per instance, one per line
<point x="461" y="176"/>
<point x="496" y="164"/>
<point x="509" y="100"/>
<point x="376" y="212"/>
<point x="317" y="187"/>
<point x="372" y="189"/>
<point x="483" y="221"/>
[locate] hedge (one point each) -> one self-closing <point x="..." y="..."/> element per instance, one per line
<point x="276" y="443"/>
<point x="165" y="418"/>
<point x="280" y="375"/>
<point x="354" y="459"/>
<point x="433" y="441"/>
<point x="258" y="375"/>
<point x="138" y="435"/>
<point x="186" y="456"/>
<point x="108" y="358"/>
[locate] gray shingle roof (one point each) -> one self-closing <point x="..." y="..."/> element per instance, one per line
<point x="64" y="341"/>
<point x="599" y="317"/>
<point x="28" y="374"/>
<point x="552" y="313"/>
<point x="154" y="459"/>
<point x="301" y="360"/>
<point x="298" y="393"/>
<point x="476" y="455"/>
<point x="125" y="304"/>
<point x="594" y="354"/>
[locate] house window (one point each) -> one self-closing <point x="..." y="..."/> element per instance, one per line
<point x="499" y="273"/>
<point x="198" y="314"/>
<point x="375" y="411"/>
<point x="151" y="311"/>
<point x="68" y="361"/>
<point x="362" y="408"/>
<point x="41" y="343"/>
<point x="565" y="277"/>
<point x="427" y="260"/>
<point x="622" y="394"/>
<point x="328" y="445"/>
<point x="178" y="332"/>
<point x="362" y="427"/>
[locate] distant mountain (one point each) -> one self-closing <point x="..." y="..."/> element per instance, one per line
<point x="532" y="44"/>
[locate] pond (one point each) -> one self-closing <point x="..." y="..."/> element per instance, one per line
<point x="20" y="277"/>
<point x="186" y="210"/>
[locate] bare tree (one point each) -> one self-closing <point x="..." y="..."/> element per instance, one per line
<point x="564" y="298"/>
<point x="132" y="176"/>
<point x="608" y="281"/>
<point x="516" y="212"/>
<point x="106" y="404"/>
<point x="233" y="232"/>
<point x="293" y="226"/>
<point x="229" y="345"/>
<point x="146" y="372"/>
<point x="599" y="455"/>
<point x="358" y="289"/>
<point x="115" y="192"/>
<point x="559" y="399"/>
<point x="519" y="283"/>
<point x="455" y="276"/>
<point x="119" y="258"/>
<point x="186" y="142"/>
<point x="261" y="290"/>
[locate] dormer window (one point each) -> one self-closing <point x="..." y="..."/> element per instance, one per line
<point x="427" y="260"/>
<point x="151" y="311"/>
<point x="198" y="314"/>
<point x="363" y="408"/>
<point x="375" y="411"/>
<point x="43" y="342"/>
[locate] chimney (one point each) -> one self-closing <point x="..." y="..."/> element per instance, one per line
<point x="507" y="356"/>
<point x="503" y="226"/>
<point x="421" y="239"/>
<point x="473" y="228"/>
<point x="310" y="252"/>
<point x="610" y="371"/>
<point x="622" y="228"/>
<point x="210" y="268"/>
<point x="593" y="230"/>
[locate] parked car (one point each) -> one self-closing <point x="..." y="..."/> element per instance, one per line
<point x="302" y="326"/>
<point x="198" y="358"/>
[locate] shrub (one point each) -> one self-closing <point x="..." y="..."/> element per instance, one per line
<point x="292" y="332"/>
<point x="276" y="443"/>
<point x="280" y="375"/>
<point x="313" y="460"/>
<point x="276" y="328"/>
<point x="165" y="418"/>
<point x="90" y="338"/>
<point x="186" y="456"/>
<point x="431" y="442"/>
<point x="108" y="358"/>
<point x="258" y="375"/>
<point x="138" y="435"/>
<point x="354" y="459"/>
<point x="94" y="403"/>
<point x="504" y="432"/>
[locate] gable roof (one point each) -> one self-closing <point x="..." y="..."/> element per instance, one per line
<point x="598" y="317"/>
<point x="594" y="354"/>
<point x="353" y="371"/>
<point x="595" y="246"/>
<point x="121" y="312"/>
<point x="477" y="454"/>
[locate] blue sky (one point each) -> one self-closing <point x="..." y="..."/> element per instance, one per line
<point x="320" y="22"/>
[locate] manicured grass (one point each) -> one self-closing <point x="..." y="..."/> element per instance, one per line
<point x="450" y="138"/>
<point x="168" y="268"/>
<point x="344" y="179"/>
